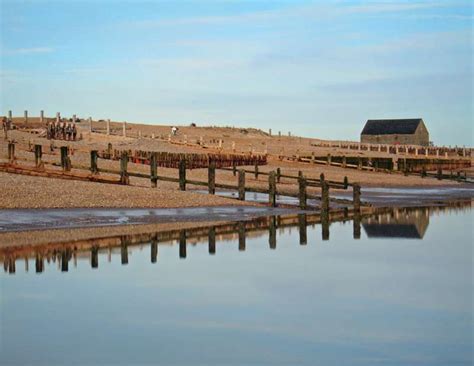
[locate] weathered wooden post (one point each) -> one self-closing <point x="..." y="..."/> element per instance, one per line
<point x="324" y="197"/>
<point x="212" y="240"/>
<point x="94" y="157"/>
<point x="153" y="169"/>
<point x="256" y="169"/>
<point x="272" y="189"/>
<point x="241" y="180"/>
<point x="272" y="233"/>
<point x="58" y="117"/>
<point x="346" y="182"/>
<point x="65" y="160"/>
<point x="241" y="231"/>
<point x="95" y="256"/>
<point x="302" y="224"/>
<point x="439" y="174"/>
<point x="109" y="151"/>
<point x="11" y="152"/>
<point x="26" y="116"/>
<point x="321" y="178"/>
<point x="356" y="197"/>
<point x="278" y="175"/>
<point x="124" y="178"/>
<point x="328" y="162"/>
<point x="154" y="250"/>
<point x="10" y="115"/>
<point x="234" y="168"/>
<point x="182" y="244"/>
<point x="108" y="127"/>
<point x="344" y="161"/>
<point x="302" y="192"/>
<point x="38" y="155"/>
<point x="211" y="177"/>
<point x="182" y="174"/>
<point x="359" y="163"/>
<point x="41" y="116"/>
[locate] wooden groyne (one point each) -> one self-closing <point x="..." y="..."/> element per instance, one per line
<point x="92" y="173"/>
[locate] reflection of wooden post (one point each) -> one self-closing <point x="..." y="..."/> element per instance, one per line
<point x="302" y="192"/>
<point x="356" y="197"/>
<point x="182" y="244"/>
<point x="325" y="197"/>
<point x="302" y="228"/>
<point x="272" y="189"/>
<point x="38" y="155"/>
<point x="242" y="185"/>
<point x="65" y="260"/>
<point x="356" y="226"/>
<point x="124" y="250"/>
<point x="325" y="225"/>
<point x="272" y="233"/>
<point x="182" y="174"/>
<point x="124" y="178"/>
<point x="211" y="177"/>
<point x="39" y="263"/>
<point x="94" y="156"/>
<point x="95" y="256"/>
<point x="241" y="231"/>
<point x="154" y="250"/>
<point x="212" y="240"/>
<point x="153" y="169"/>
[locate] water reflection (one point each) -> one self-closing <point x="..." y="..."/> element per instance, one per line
<point x="409" y="223"/>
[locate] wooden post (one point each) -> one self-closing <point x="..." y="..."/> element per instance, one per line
<point x="346" y="182"/>
<point x="241" y="231"/>
<point x="10" y="115"/>
<point x="38" y="155"/>
<point x="41" y="116"/>
<point x="182" y="244"/>
<point x="241" y="185"/>
<point x="65" y="161"/>
<point x="278" y="175"/>
<point x="344" y="161"/>
<point x="321" y="178"/>
<point x="108" y="127"/>
<point x="124" y="129"/>
<point x="11" y="152"/>
<point x="26" y="116"/>
<point x="324" y="197"/>
<point x="90" y="124"/>
<point x="302" y="192"/>
<point x="153" y="169"/>
<point x="109" y="150"/>
<point x="272" y="189"/>
<point x="356" y="197"/>
<point x="302" y="229"/>
<point x="211" y="177"/>
<point x="212" y="240"/>
<point x="272" y="233"/>
<point x="124" y="178"/>
<point x="94" y="156"/>
<point x="439" y="173"/>
<point x="182" y="174"/>
<point x="359" y="163"/>
<point x="256" y="170"/>
<point x="58" y="117"/>
<point x="234" y="168"/>
<point x="328" y="160"/>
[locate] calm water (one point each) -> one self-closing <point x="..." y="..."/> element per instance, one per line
<point x="401" y="295"/>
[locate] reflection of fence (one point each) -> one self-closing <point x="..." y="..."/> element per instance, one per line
<point x="63" y="252"/>
<point x="274" y="177"/>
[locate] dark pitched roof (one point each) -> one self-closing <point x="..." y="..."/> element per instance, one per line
<point x="391" y="126"/>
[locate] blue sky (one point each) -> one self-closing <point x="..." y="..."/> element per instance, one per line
<point x="315" y="68"/>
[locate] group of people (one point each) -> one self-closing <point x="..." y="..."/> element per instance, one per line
<point x="62" y="130"/>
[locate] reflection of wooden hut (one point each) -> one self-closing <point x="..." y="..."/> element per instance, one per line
<point x="401" y="223"/>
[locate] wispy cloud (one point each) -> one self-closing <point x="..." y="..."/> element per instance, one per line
<point x="28" y="51"/>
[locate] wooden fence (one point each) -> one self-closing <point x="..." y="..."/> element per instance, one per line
<point x="274" y="177"/>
